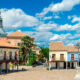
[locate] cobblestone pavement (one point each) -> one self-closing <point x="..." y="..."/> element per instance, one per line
<point x="41" y="74"/>
<point x="77" y="76"/>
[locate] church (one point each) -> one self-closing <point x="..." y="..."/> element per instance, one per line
<point x="8" y="52"/>
<point x="9" y="48"/>
<point x="13" y="38"/>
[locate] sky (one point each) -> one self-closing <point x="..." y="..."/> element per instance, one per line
<point x="45" y="20"/>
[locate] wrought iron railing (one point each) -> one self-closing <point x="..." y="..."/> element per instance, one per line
<point x="3" y="58"/>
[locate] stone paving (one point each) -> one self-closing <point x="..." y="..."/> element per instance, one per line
<point x="41" y="74"/>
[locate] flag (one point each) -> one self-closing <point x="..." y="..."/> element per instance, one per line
<point x="17" y="53"/>
<point x="7" y="52"/>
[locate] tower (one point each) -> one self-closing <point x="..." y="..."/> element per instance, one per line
<point x="2" y="33"/>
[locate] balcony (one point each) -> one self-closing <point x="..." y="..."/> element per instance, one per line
<point x="62" y="59"/>
<point x="8" y="58"/>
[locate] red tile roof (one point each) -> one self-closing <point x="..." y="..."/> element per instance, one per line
<point x="59" y="46"/>
<point x="17" y="34"/>
<point x="4" y="43"/>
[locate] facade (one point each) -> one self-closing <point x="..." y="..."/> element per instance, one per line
<point x="9" y="48"/>
<point x="8" y="54"/>
<point x="15" y="38"/>
<point x="62" y="56"/>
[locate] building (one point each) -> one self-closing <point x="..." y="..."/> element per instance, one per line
<point x="15" y="38"/>
<point x="62" y="56"/>
<point x="8" y="54"/>
<point x="2" y="33"/>
<point x="8" y="51"/>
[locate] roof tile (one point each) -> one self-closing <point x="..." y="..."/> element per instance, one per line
<point x="59" y="46"/>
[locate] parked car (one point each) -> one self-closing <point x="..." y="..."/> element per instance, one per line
<point x="37" y="64"/>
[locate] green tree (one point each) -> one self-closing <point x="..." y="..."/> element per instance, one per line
<point x="32" y="58"/>
<point x="44" y="53"/>
<point x="26" y="48"/>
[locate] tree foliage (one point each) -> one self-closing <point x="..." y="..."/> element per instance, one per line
<point x="44" y="53"/>
<point x="26" y="48"/>
<point x="32" y="58"/>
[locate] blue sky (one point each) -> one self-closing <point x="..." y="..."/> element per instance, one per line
<point x="45" y="20"/>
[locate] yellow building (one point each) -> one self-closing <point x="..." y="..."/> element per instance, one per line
<point x="57" y="55"/>
<point x="62" y="56"/>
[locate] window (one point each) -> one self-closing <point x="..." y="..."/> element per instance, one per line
<point x="53" y="57"/>
<point x="4" y="55"/>
<point x="61" y="56"/>
<point x="72" y="56"/>
<point x="10" y="55"/>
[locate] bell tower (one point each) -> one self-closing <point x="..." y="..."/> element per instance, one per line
<point x="1" y="26"/>
<point x="2" y="33"/>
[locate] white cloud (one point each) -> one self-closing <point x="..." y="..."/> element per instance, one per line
<point x="56" y="36"/>
<point x="55" y="27"/>
<point x="45" y="11"/>
<point x="65" y="5"/>
<point x="46" y="27"/>
<point x="75" y="19"/>
<point x="75" y="36"/>
<point x="70" y="44"/>
<point x="68" y="27"/>
<point x="64" y="27"/>
<point x="41" y="37"/>
<point x="14" y="18"/>
<point x="60" y="37"/>
<point x="69" y="17"/>
<point x="68" y="38"/>
<point x="56" y="17"/>
<point x="46" y="18"/>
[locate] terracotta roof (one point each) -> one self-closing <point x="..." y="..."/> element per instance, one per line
<point x="4" y="43"/>
<point x="59" y="46"/>
<point x="72" y="49"/>
<point x="17" y="34"/>
<point x="3" y="38"/>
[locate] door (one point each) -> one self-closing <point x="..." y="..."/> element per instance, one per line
<point x="53" y="57"/>
<point x="61" y="56"/>
<point x="72" y="56"/>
